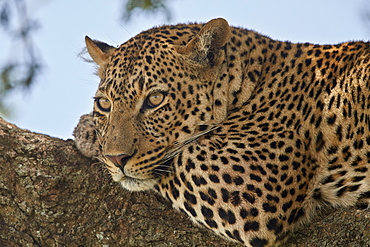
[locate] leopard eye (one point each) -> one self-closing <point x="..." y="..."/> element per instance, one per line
<point x="103" y="104"/>
<point x="155" y="99"/>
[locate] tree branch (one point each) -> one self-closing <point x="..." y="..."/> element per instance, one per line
<point x="51" y="195"/>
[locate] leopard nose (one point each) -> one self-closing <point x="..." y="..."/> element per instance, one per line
<point x="119" y="160"/>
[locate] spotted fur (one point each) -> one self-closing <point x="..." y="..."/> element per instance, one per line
<point x="245" y="134"/>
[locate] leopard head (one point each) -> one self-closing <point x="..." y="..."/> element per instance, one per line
<point x="156" y="95"/>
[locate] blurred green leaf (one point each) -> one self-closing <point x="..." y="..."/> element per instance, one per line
<point x="150" y="7"/>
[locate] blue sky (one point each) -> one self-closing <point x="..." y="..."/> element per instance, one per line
<point x="67" y="84"/>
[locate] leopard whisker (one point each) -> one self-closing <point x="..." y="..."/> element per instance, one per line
<point x="177" y="147"/>
<point x="160" y="171"/>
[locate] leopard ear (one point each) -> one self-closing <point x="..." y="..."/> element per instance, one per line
<point x="98" y="51"/>
<point x="206" y="47"/>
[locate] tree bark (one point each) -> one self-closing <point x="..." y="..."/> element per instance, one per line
<point x="51" y="195"/>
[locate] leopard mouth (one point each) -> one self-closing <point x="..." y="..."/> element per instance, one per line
<point x="126" y="174"/>
<point x="131" y="183"/>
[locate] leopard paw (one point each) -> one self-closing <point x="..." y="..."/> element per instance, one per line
<point x="86" y="138"/>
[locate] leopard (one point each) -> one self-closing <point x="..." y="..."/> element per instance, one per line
<point x="249" y="136"/>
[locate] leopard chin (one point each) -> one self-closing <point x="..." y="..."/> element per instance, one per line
<point x="130" y="183"/>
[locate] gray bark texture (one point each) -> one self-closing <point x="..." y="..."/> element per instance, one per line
<point x="51" y="195"/>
